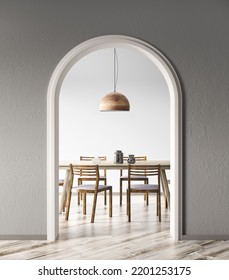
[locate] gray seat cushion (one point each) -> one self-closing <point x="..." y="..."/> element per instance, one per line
<point x="91" y="187"/>
<point x="144" y="187"/>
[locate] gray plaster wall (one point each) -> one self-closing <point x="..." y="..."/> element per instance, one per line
<point x="36" y="34"/>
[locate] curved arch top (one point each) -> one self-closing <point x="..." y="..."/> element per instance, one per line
<point x="55" y="83"/>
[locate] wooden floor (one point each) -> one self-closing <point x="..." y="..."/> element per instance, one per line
<point x="114" y="238"/>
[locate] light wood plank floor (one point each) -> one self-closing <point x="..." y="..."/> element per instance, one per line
<point x="114" y="238"/>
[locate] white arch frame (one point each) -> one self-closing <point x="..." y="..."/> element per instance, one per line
<point x="53" y="124"/>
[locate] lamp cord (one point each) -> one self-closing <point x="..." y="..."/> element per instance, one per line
<point x="115" y="69"/>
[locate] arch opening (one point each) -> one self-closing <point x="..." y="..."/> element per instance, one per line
<point x="174" y="87"/>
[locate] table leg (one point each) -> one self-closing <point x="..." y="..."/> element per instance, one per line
<point x="165" y="186"/>
<point x="63" y="196"/>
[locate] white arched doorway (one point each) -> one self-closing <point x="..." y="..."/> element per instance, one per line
<point x="53" y="124"/>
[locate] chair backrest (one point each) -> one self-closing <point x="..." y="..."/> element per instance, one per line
<point x="85" y="158"/>
<point x="137" y="158"/>
<point x="85" y="171"/>
<point x="102" y="158"/>
<point x="144" y="170"/>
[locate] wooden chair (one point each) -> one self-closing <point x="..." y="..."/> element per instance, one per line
<point x="87" y="171"/>
<point x="140" y="170"/>
<point x="102" y="178"/>
<point x="133" y="178"/>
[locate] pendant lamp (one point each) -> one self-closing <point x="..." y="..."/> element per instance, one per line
<point x="114" y="101"/>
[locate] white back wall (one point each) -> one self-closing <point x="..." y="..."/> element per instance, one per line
<point x="84" y="130"/>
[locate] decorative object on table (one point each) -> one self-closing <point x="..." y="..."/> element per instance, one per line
<point x="131" y="159"/>
<point x="96" y="160"/>
<point x="118" y="158"/>
<point x="114" y="101"/>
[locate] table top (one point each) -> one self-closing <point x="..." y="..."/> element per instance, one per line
<point x="111" y="165"/>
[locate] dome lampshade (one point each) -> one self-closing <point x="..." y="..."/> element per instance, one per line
<point x="114" y="101"/>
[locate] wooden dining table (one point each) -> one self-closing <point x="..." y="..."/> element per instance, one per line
<point x="109" y="165"/>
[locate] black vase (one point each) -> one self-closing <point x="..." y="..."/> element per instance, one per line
<point x="131" y="159"/>
<point x="118" y="157"/>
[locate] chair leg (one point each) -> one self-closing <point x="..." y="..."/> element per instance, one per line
<point x="64" y="204"/>
<point x="165" y="199"/>
<point x="84" y="203"/>
<point x="120" y="192"/>
<point x="68" y="205"/>
<point x="129" y="207"/>
<point x="110" y="202"/>
<point x="159" y="206"/>
<point x="157" y="201"/>
<point x="146" y="181"/>
<point x="94" y="207"/>
<point x="105" y="192"/>
<point x="78" y="198"/>
<point x="147" y="198"/>
<point x="166" y="203"/>
<point x="105" y="197"/>
<point x="80" y="195"/>
<point x="127" y="202"/>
